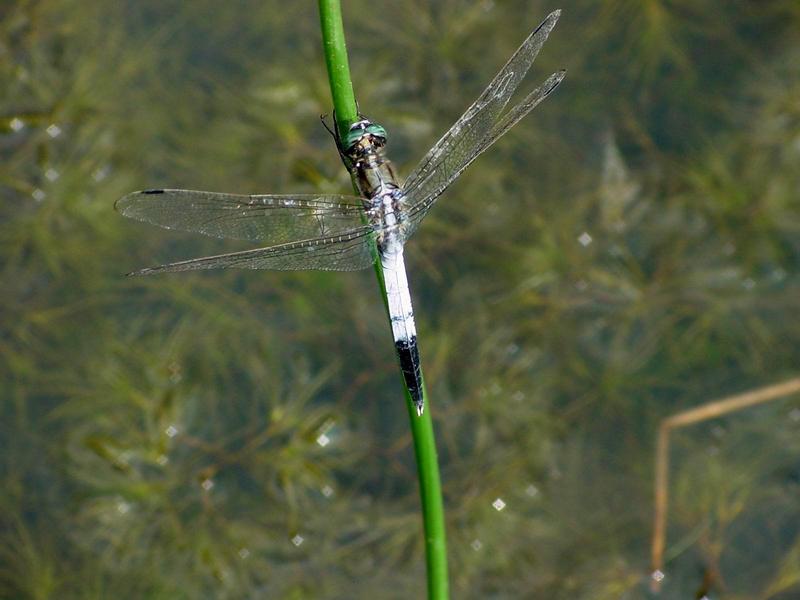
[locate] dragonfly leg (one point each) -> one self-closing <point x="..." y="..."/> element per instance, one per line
<point x="334" y="131"/>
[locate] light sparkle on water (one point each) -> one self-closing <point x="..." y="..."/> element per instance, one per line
<point x="101" y="173"/>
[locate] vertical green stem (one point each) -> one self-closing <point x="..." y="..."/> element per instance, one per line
<point x="421" y="427"/>
<point x="430" y="490"/>
<point x="335" y="49"/>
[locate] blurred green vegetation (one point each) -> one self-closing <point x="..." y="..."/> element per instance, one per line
<point x="243" y="434"/>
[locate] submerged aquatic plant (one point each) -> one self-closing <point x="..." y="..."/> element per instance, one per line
<point x="160" y="437"/>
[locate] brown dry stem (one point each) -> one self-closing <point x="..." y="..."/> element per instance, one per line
<point x="710" y="410"/>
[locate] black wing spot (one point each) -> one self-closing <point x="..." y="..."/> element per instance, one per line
<point x="152" y="191"/>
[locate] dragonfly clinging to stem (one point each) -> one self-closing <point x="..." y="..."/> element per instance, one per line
<point x="337" y="232"/>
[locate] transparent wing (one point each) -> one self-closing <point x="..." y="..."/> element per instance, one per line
<point x="481" y="124"/>
<point x="348" y="251"/>
<point x="469" y="130"/>
<point x="429" y="191"/>
<point x="263" y="218"/>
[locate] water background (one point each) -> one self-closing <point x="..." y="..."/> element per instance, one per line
<point x="629" y="251"/>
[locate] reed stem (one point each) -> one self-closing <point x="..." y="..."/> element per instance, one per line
<point x="421" y="426"/>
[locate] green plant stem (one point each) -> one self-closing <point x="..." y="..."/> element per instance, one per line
<point x="335" y="50"/>
<point x="421" y="427"/>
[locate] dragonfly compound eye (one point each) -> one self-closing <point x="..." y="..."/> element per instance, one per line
<point x="362" y="129"/>
<point x="377" y="132"/>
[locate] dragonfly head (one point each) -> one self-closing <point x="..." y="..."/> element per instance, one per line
<point x="363" y="135"/>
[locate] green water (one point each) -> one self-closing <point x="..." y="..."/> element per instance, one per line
<point x="629" y="251"/>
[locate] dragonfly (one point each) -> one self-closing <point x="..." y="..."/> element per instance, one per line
<point x="336" y="232"/>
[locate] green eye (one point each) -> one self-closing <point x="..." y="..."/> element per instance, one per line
<point x="359" y="130"/>
<point x="376" y="130"/>
<point x="352" y="137"/>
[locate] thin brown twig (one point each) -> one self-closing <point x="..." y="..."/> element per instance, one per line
<point x="710" y="410"/>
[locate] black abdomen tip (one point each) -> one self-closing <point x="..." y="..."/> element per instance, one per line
<point x="408" y="353"/>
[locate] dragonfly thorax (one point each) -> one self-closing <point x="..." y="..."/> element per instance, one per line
<point x="363" y="151"/>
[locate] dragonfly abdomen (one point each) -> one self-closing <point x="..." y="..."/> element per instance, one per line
<point x="408" y="353"/>
<point x="401" y="315"/>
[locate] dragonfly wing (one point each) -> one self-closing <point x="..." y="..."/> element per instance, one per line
<point x="260" y="218"/>
<point x="473" y="132"/>
<point x="429" y="192"/>
<point x="348" y="251"/>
